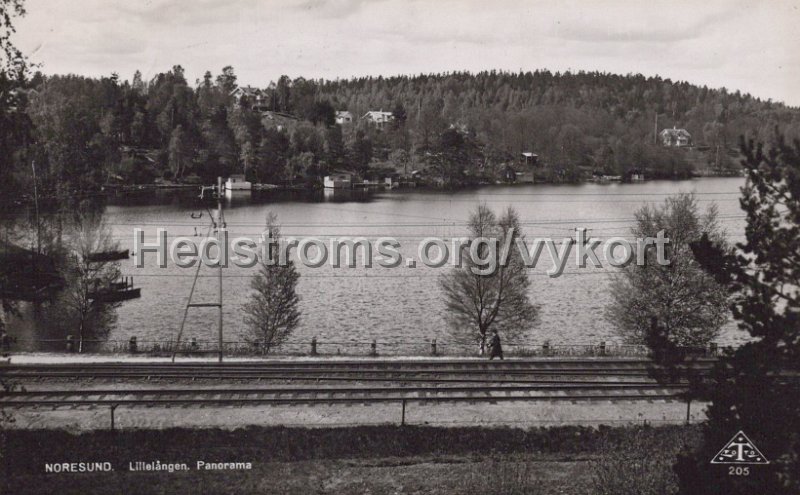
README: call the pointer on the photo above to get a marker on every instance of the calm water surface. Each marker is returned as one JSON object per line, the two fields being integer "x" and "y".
{"x": 398, "y": 305}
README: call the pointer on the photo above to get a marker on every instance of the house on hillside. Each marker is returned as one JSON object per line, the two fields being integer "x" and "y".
{"x": 379, "y": 119}
{"x": 251, "y": 97}
{"x": 344, "y": 117}
{"x": 675, "y": 137}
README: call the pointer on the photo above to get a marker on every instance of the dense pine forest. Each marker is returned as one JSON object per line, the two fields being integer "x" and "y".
{"x": 450, "y": 129}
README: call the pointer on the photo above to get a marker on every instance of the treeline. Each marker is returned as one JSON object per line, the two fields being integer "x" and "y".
{"x": 454, "y": 128}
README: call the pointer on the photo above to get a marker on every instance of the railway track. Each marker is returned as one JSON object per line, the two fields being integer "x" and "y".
{"x": 322, "y": 395}
{"x": 365, "y": 381}
{"x": 356, "y": 369}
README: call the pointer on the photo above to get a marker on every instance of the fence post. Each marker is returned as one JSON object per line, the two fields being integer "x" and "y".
{"x": 70, "y": 343}
{"x": 433, "y": 347}
{"x": 688, "y": 410}
{"x": 602, "y": 348}
{"x": 194, "y": 343}
{"x": 132, "y": 347}
{"x": 373, "y": 348}
{"x": 546, "y": 348}
{"x": 403, "y": 417}
{"x": 113, "y": 406}
{"x": 313, "y": 346}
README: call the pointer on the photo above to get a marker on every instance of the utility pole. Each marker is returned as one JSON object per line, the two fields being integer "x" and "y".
{"x": 36, "y": 207}
{"x": 220, "y": 226}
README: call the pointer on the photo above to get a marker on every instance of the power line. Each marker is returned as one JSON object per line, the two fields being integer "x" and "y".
{"x": 302, "y": 276}
{"x": 575, "y": 221}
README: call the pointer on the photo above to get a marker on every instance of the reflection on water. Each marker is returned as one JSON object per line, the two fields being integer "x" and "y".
{"x": 400, "y": 305}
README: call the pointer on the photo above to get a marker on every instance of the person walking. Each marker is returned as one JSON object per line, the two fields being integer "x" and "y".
{"x": 495, "y": 348}
{"x": 5, "y": 343}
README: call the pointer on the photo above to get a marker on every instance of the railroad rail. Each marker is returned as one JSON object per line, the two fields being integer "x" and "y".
{"x": 305, "y": 395}
{"x": 347, "y": 381}
{"x": 335, "y": 368}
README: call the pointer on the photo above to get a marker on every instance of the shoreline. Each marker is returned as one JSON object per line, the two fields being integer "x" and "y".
{"x": 110, "y": 191}
{"x": 64, "y": 358}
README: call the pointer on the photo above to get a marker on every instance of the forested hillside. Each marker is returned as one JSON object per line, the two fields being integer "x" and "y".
{"x": 455, "y": 128}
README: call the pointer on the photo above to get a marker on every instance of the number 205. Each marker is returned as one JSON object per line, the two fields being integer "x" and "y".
{"x": 738, "y": 471}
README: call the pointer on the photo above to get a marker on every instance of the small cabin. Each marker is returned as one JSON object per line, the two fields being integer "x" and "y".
{"x": 237, "y": 183}
{"x": 338, "y": 181}
{"x": 529, "y": 158}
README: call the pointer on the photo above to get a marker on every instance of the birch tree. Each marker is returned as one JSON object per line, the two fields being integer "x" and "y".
{"x": 479, "y": 302}
{"x": 77, "y": 309}
{"x": 688, "y": 304}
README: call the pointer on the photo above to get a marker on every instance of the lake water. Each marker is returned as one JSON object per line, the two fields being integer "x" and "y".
{"x": 401, "y": 305}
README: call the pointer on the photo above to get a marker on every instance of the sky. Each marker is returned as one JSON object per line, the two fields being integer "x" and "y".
{"x": 747, "y": 45}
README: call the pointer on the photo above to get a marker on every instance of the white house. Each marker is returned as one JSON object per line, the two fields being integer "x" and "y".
{"x": 344, "y": 117}
{"x": 237, "y": 183}
{"x": 338, "y": 181}
{"x": 378, "y": 118}
{"x": 253, "y": 97}
{"x": 675, "y": 137}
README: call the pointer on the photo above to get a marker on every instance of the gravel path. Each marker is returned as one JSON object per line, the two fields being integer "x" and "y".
{"x": 517, "y": 414}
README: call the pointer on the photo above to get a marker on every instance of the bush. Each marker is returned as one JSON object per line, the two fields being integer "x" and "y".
{"x": 502, "y": 477}
{"x": 642, "y": 464}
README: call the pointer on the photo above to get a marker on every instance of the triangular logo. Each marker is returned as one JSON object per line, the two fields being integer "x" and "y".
{"x": 739, "y": 450}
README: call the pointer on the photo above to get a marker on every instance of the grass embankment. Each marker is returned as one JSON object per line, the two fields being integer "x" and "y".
{"x": 381, "y": 459}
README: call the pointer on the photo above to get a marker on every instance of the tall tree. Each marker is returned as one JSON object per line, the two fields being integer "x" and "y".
{"x": 77, "y": 308}
{"x": 283, "y": 94}
{"x": 453, "y": 154}
{"x": 322, "y": 112}
{"x": 179, "y": 152}
{"x": 689, "y": 305}
{"x": 334, "y": 146}
{"x": 361, "y": 152}
{"x": 13, "y": 66}
{"x": 754, "y": 389}
{"x": 227, "y": 80}
{"x": 399, "y": 116}
{"x": 479, "y": 299}
{"x": 272, "y": 152}
{"x": 273, "y": 312}
{"x": 12, "y": 71}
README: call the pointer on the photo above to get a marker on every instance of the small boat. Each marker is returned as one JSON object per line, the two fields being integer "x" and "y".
{"x": 117, "y": 291}
{"x": 109, "y": 256}
{"x": 116, "y": 295}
